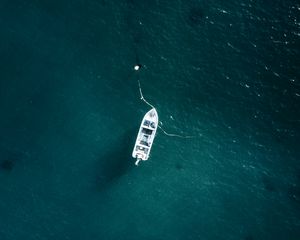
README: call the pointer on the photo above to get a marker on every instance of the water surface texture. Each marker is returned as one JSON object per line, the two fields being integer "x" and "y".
{"x": 226, "y": 72}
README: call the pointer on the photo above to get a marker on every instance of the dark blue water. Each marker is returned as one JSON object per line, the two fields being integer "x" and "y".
{"x": 226, "y": 72}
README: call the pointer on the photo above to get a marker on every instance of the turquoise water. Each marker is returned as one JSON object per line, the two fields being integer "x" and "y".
{"x": 224, "y": 72}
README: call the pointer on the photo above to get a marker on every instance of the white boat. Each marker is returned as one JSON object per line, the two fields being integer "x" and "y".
{"x": 145, "y": 136}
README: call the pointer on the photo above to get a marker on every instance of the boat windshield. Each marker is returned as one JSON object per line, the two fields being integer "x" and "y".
{"x": 147, "y": 131}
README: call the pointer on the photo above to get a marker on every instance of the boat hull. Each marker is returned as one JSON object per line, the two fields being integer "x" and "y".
{"x": 145, "y": 137}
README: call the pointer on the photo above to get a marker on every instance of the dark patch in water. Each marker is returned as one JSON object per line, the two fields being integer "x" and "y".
{"x": 103, "y": 2}
{"x": 178, "y": 166}
{"x": 196, "y": 16}
{"x": 249, "y": 237}
{"x": 9, "y": 158}
{"x": 7, "y": 165}
{"x": 268, "y": 184}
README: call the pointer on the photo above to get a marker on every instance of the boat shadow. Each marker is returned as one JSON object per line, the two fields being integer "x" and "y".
{"x": 116, "y": 162}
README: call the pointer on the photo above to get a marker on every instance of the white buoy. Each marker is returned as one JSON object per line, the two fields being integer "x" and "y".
{"x": 136, "y": 67}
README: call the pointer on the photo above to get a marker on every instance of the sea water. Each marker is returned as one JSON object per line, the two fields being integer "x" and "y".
{"x": 225, "y": 72}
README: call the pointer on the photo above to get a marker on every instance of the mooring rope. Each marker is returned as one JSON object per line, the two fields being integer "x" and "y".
{"x": 149, "y": 104}
{"x": 142, "y": 97}
{"x": 174, "y": 135}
